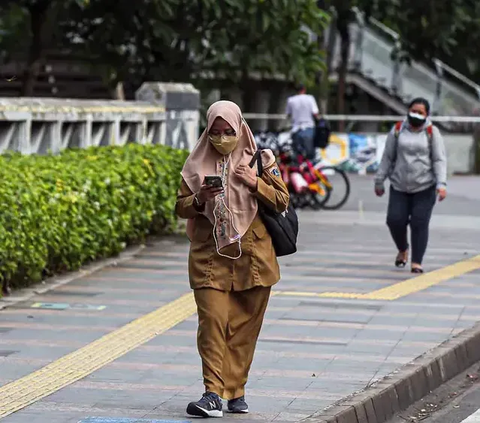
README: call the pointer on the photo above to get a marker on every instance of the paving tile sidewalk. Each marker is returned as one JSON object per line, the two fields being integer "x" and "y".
{"x": 312, "y": 351}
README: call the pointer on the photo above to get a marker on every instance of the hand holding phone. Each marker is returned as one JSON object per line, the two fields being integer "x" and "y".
{"x": 212, "y": 186}
{"x": 213, "y": 181}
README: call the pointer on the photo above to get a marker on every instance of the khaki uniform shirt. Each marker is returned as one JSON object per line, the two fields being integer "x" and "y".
{"x": 258, "y": 265}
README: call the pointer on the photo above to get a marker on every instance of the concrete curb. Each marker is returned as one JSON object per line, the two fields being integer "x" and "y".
{"x": 27, "y": 294}
{"x": 397, "y": 391}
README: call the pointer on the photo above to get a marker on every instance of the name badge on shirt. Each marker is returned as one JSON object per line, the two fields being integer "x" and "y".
{"x": 275, "y": 172}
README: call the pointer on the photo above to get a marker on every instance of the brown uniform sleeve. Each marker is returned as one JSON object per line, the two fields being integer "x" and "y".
{"x": 271, "y": 189}
{"x": 185, "y": 207}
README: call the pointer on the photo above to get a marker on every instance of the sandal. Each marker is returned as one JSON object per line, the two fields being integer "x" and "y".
{"x": 417, "y": 270}
{"x": 401, "y": 262}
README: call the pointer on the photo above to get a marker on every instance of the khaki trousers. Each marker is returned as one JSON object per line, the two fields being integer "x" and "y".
{"x": 229, "y": 323}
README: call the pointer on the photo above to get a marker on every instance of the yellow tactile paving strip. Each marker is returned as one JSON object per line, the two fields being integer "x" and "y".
{"x": 81, "y": 363}
{"x": 404, "y": 288}
{"x": 426, "y": 280}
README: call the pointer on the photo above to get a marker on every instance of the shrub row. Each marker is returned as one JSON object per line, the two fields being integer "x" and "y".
{"x": 61, "y": 211}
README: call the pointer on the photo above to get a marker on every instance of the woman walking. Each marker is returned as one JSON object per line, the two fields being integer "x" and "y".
{"x": 232, "y": 262}
{"x": 415, "y": 162}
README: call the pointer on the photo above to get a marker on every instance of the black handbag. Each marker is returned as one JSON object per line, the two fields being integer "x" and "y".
{"x": 322, "y": 134}
{"x": 282, "y": 227}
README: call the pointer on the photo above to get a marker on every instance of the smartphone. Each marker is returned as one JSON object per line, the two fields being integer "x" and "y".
{"x": 213, "y": 181}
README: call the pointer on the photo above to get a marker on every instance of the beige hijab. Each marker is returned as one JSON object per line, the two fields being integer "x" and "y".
{"x": 204, "y": 159}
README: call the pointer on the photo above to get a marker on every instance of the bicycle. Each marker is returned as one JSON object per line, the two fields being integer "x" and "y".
{"x": 303, "y": 181}
{"x": 310, "y": 184}
{"x": 333, "y": 187}
{"x": 304, "y": 190}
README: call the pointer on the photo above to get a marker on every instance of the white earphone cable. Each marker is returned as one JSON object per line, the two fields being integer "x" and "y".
{"x": 221, "y": 200}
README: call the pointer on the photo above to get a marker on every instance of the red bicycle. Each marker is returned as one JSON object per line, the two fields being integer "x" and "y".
{"x": 304, "y": 182}
{"x": 310, "y": 185}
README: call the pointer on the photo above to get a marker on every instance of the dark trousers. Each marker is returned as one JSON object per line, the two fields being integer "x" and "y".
{"x": 303, "y": 142}
{"x": 416, "y": 210}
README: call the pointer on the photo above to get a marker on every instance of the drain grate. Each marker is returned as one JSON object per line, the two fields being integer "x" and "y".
{"x": 6, "y": 353}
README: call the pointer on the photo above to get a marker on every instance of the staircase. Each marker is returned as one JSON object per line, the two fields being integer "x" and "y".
{"x": 372, "y": 69}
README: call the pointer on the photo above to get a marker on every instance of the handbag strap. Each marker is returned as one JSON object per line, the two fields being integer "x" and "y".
{"x": 257, "y": 158}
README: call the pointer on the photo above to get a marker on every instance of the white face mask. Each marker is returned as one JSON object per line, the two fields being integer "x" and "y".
{"x": 221, "y": 213}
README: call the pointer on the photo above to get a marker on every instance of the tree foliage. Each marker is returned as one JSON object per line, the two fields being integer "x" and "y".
{"x": 427, "y": 29}
{"x": 449, "y": 31}
{"x": 29, "y": 28}
{"x": 180, "y": 40}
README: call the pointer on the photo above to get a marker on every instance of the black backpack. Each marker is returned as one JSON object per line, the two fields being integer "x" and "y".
{"x": 282, "y": 227}
{"x": 322, "y": 134}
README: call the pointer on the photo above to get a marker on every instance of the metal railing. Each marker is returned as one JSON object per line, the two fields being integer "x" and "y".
{"x": 371, "y": 131}
{"x": 367, "y": 118}
{"x": 373, "y": 54}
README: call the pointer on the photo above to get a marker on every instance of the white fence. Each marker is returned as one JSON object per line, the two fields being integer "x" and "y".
{"x": 38, "y": 126}
{"x": 169, "y": 114}
{"x": 163, "y": 114}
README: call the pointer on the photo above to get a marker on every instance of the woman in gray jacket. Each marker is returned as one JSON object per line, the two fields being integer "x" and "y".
{"x": 415, "y": 162}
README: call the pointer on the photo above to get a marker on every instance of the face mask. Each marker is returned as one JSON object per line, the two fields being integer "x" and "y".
{"x": 416, "y": 119}
{"x": 224, "y": 144}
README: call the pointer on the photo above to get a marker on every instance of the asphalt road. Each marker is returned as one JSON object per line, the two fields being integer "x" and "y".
{"x": 463, "y": 198}
{"x": 453, "y": 402}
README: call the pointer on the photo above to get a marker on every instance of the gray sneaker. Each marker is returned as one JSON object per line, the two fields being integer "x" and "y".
{"x": 210, "y": 405}
{"x": 238, "y": 406}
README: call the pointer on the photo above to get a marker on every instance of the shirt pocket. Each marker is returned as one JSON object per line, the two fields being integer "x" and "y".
{"x": 260, "y": 231}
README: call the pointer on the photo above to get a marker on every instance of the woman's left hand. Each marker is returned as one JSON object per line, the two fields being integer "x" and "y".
{"x": 442, "y": 194}
{"x": 248, "y": 176}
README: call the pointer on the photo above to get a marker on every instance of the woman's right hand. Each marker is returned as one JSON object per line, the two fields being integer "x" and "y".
{"x": 208, "y": 192}
{"x": 379, "y": 191}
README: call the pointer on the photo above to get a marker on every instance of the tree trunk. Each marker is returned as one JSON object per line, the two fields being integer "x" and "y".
{"x": 329, "y": 44}
{"x": 476, "y": 149}
{"x": 43, "y": 15}
{"x": 276, "y": 105}
{"x": 6, "y": 290}
{"x": 248, "y": 95}
{"x": 343, "y": 29}
{"x": 322, "y": 79}
{"x": 119, "y": 93}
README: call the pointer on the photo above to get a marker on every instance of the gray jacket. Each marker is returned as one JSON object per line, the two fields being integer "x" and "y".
{"x": 419, "y": 164}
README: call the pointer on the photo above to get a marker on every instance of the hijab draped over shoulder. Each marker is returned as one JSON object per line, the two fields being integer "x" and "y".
{"x": 205, "y": 160}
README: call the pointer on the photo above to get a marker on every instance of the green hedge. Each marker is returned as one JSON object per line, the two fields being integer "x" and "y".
{"x": 61, "y": 211}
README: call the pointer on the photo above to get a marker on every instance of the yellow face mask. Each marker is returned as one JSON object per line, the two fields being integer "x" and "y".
{"x": 224, "y": 144}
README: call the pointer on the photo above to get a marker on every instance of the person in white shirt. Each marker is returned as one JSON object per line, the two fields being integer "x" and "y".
{"x": 302, "y": 110}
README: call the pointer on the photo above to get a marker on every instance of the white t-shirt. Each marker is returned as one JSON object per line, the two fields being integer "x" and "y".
{"x": 301, "y": 108}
